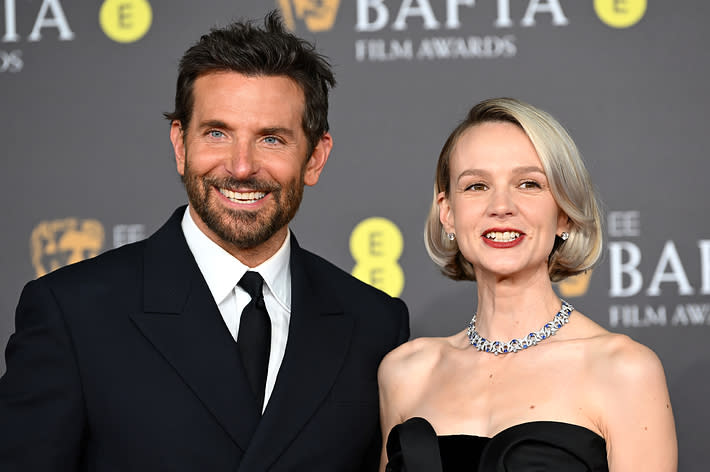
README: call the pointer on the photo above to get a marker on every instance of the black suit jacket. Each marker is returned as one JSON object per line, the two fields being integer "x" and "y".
{"x": 123, "y": 363}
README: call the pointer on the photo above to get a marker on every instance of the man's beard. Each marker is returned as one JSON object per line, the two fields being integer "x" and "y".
{"x": 244, "y": 229}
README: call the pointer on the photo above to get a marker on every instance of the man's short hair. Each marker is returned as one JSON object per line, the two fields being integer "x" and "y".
{"x": 250, "y": 50}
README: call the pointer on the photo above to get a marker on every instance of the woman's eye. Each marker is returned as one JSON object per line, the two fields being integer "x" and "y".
{"x": 530, "y": 184}
{"x": 477, "y": 186}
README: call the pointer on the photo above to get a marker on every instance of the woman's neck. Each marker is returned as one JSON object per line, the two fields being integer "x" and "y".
{"x": 512, "y": 307}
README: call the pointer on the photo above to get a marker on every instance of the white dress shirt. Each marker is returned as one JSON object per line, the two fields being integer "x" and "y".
{"x": 222, "y": 272}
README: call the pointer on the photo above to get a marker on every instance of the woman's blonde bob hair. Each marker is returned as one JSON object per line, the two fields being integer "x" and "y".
{"x": 569, "y": 181}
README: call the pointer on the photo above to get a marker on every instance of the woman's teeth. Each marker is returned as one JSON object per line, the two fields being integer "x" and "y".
{"x": 503, "y": 237}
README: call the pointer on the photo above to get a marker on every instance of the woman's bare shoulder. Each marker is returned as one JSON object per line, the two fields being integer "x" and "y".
{"x": 404, "y": 375}
{"x": 412, "y": 363}
{"x": 417, "y": 354}
{"x": 625, "y": 372}
{"x": 621, "y": 355}
{"x": 628, "y": 385}
{"x": 616, "y": 359}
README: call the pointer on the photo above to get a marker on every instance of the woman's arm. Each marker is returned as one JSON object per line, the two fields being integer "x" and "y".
{"x": 401, "y": 375}
{"x": 638, "y": 419}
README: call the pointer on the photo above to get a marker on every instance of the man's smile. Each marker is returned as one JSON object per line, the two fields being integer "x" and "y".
{"x": 242, "y": 197}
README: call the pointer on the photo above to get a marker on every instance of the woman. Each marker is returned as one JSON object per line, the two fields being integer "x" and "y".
{"x": 514, "y": 210}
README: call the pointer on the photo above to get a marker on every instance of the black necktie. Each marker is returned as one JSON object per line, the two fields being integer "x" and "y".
{"x": 254, "y": 338}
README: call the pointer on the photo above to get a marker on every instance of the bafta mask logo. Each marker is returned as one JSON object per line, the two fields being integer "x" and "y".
{"x": 575, "y": 286}
{"x": 319, "y": 15}
{"x": 57, "y": 243}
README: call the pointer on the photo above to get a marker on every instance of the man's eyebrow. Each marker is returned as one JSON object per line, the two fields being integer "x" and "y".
{"x": 278, "y": 130}
{"x": 213, "y": 124}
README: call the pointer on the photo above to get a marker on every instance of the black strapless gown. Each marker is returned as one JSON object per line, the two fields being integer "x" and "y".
{"x": 528, "y": 447}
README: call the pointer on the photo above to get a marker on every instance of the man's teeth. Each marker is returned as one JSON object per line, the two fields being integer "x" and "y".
{"x": 242, "y": 197}
{"x": 503, "y": 237}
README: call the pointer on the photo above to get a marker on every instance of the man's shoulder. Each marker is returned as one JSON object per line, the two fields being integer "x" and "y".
{"x": 379, "y": 313}
{"x": 118, "y": 262}
{"x": 114, "y": 263}
{"x": 331, "y": 275}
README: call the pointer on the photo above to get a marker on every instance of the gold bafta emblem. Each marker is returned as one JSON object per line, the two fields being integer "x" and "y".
{"x": 57, "y": 243}
{"x": 319, "y": 15}
{"x": 575, "y": 286}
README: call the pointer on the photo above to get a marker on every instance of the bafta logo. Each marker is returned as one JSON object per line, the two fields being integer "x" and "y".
{"x": 319, "y": 15}
{"x": 57, "y": 243}
{"x": 575, "y": 286}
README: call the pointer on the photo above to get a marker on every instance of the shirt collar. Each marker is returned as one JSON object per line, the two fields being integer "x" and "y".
{"x": 222, "y": 271}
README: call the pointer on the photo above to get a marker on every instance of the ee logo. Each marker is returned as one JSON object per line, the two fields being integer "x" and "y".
{"x": 125, "y": 21}
{"x": 376, "y": 245}
{"x": 620, "y": 13}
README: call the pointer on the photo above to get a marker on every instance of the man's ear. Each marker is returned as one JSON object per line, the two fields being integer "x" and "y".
{"x": 317, "y": 160}
{"x": 177, "y": 137}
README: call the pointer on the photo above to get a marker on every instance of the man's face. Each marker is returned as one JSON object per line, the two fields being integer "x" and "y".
{"x": 243, "y": 159}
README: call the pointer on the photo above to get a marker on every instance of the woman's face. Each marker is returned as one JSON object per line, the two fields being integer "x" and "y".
{"x": 500, "y": 206}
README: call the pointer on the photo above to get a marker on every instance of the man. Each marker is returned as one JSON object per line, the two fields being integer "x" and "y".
{"x": 171, "y": 353}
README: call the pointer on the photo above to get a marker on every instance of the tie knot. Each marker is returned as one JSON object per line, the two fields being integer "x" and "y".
{"x": 252, "y": 283}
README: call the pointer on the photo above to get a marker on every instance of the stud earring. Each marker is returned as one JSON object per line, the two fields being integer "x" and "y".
{"x": 451, "y": 236}
{"x": 564, "y": 236}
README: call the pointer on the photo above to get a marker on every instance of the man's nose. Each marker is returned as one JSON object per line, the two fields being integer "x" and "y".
{"x": 242, "y": 162}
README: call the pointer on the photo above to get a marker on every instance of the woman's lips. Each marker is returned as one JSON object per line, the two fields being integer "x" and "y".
{"x": 502, "y": 238}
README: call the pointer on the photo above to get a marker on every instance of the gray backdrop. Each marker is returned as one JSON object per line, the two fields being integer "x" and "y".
{"x": 87, "y": 164}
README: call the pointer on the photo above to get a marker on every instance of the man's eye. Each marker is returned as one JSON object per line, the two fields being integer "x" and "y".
{"x": 271, "y": 140}
{"x": 215, "y": 133}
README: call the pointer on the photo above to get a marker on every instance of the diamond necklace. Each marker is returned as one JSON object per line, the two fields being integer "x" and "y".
{"x": 515, "y": 345}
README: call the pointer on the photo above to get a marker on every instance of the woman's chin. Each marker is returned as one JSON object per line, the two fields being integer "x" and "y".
{"x": 503, "y": 271}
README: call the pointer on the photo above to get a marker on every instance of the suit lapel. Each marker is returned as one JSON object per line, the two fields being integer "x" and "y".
{"x": 183, "y": 322}
{"x": 318, "y": 341}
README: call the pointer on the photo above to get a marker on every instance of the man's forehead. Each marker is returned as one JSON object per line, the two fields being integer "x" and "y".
{"x": 225, "y": 87}
{"x": 215, "y": 75}
{"x": 266, "y": 100}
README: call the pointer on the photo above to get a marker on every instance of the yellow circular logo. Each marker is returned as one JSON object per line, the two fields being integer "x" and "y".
{"x": 376, "y": 245}
{"x": 125, "y": 21}
{"x": 620, "y": 13}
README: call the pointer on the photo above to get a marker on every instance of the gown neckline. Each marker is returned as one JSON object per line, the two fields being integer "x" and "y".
{"x": 525, "y": 425}
{"x": 414, "y": 446}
